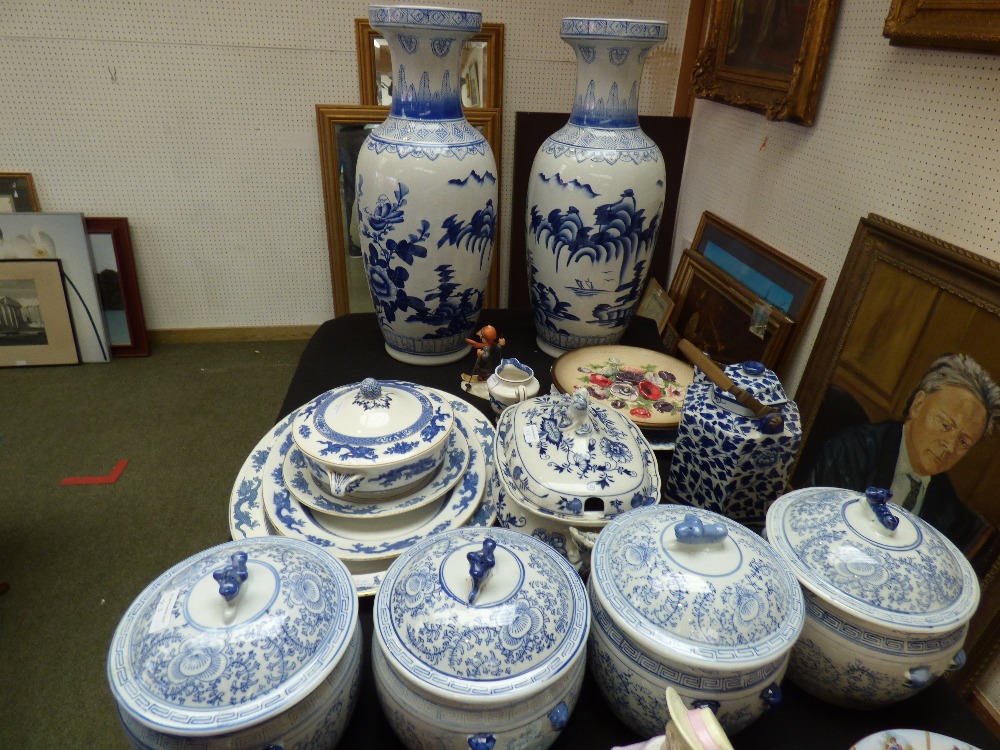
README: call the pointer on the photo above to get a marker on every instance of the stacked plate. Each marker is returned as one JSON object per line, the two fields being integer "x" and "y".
{"x": 280, "y": 491}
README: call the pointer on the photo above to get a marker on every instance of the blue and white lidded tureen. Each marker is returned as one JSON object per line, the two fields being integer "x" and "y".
{"x": 480, "y": 641}
{"x": 727, "y": 460}
{"x": 250, "y": 642}
{"x": 686, "y": 598}
{"x": 566, "y": 462}
{"x": 375, "y": 439}
{"x": 888, "y": 597}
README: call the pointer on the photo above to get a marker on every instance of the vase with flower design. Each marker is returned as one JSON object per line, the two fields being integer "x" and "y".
{"x": 595, "y": 192}
{"x": 426, "y": 191}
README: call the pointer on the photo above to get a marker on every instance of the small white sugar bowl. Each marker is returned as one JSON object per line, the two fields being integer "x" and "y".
{"x": 565, "y": 462}
{"x": 888, "y": 597}
{"x": 373, "y": 440}
{"x": 480, "y": 641}
{"x": 685, "y": 598}
{"x": 250, "y": 643}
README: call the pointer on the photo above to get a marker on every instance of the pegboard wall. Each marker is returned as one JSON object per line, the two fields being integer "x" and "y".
{"x": 911, "y": 134}
{"x": 195, "y": 119}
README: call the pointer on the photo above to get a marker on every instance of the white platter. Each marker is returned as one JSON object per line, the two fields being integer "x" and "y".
{"x": 246, "y": 510}
{"x": 304, "y": 487}
{"x": 910, "y": 739}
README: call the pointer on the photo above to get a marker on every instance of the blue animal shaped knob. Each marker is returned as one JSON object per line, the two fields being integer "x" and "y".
{"x": 877, "y": 499}
{"x": 481, "y": 562}
{"x": 692, "y": 530}
{"x": 232, "y": 576}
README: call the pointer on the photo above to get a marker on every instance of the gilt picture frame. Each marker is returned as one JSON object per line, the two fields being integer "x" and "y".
{"x": 342, "y": 129}
{"x": 35, "y": 323}
{"x": 767, "y": 57}
{"x": 722, "y": 319}
{"x": 17, "y": 192}
{"x": 482, "y": 67}
{"x": 118, "y": 285}
{"x": 941, "y": 299}
{"x": 944, "y": 24}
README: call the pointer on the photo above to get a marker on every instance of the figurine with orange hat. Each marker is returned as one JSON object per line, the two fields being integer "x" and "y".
{"x": 489, "y": 352}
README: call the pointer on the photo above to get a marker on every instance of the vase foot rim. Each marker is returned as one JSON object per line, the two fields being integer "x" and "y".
{"x": 427, "y": 359}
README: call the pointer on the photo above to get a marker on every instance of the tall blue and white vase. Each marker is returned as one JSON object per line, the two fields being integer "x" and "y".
{"x": 596, "y": 192}
{"x": 426, "y": 191}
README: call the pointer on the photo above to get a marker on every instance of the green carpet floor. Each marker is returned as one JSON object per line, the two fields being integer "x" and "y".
{"x": 75, "y": 557}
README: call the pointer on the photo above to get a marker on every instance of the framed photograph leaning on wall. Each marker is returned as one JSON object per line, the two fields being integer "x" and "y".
{"x": 907, "y": 358}
{"x": 767, "y": 56}
{"x": 17, "y": 193}
{"x": 35, "y": 324}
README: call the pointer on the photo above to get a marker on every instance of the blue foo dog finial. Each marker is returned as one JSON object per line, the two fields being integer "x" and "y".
{"x": 481, "y": 563}
{"x": 232, "y": 576}
{"x": 692, "y": 530}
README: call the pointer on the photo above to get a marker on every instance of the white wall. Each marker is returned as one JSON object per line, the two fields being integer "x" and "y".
{"x": 195, "y": 119}
{"x": 911, "y": 134}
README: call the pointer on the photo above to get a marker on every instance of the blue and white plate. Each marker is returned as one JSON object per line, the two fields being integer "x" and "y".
{"x": 246, "y": 508}
{"x": 304, "y": 487}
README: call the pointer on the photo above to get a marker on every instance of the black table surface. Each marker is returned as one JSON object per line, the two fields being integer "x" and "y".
{"x": 348, "y": 349}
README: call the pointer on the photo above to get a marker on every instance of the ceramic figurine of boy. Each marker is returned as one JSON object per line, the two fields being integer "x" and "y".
{"x": 489, "y": 352}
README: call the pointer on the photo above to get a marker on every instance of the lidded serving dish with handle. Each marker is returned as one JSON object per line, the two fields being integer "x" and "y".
{"x": 888, "y": 597}
{"x": 248, "y": 644}
{"x": 480, "y": 641}
{"x": 565, "y": 462}
{"x": 685, "y": 598}
{"x": 375, "y": 439}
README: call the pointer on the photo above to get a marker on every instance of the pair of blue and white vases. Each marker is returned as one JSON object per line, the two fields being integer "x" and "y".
{"x": 427, "y": 192}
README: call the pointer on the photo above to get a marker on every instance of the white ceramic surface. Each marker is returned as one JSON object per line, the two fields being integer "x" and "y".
{"x": 426, "y": 191}
{"x": 575, "y": 458}
{"x": 511, "y": 383}
{"x": 887, "y": 609}
{"x": 308, "y": 491}
{"x": 910, "y": 739}
{"x": 247, "y": 518}
{"x": 186, "y": 661}
{"x": 689, "y": 599}
{"x": 504, "y": 655}
{"x": 595, "y": 193}
{"x": 374, "y": 439}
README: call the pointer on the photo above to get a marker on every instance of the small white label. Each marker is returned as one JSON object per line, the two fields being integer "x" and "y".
{"x": 530, "y": 433}
{"x": 162, "y": 615}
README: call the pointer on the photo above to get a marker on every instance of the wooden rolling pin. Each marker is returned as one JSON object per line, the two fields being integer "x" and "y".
{"x": 719, "y": 377}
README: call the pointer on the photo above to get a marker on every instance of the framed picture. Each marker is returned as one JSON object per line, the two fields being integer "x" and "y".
{"x": 724, "y": 321}
{"x": 767, "y": 56}
{"x": 944, "y": 24}
{"x": 482, "y": 67}
{"x": 17, "y": 193}
{"x": 35, "y": 325}
{"x": 118, "y": 286}
{"x": 63, "y": 236}
{"x": 779, "y": 280}
{"x": 655, "y": 304}
{"x": 903, "y": 300}
{"x": 342, "y": 131}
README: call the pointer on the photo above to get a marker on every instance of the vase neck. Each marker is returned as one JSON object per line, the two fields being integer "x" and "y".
{"x": 610, "y": 55}
{"x": 425, "y": 46}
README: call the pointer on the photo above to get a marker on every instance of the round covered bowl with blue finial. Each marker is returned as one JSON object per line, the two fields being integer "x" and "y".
{"x": 888, "y": 597}
{"x": 253, "y": 643}
{"x": 686, "y": 598}
{"x": 480, "y": 641}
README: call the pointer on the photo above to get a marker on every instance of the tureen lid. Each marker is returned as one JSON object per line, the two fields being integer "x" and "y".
{"x": 372, "y": 421}
{"x": 232, "y": 636}
{"x": 697, "y": 586}
{"x": 481, "y": 615}
{"x": 574, "y": 458}
{"x": 840, "y": 546}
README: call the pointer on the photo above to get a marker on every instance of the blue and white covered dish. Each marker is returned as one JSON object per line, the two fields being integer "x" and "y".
{"x": 888, "y": 597}
{"x": 480, "y": 641}
{"x": 375, "y": 439}
{"x": 686, "y": 598}
{"x": 574, "y": 459}
{"x": 254, "y": 641}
